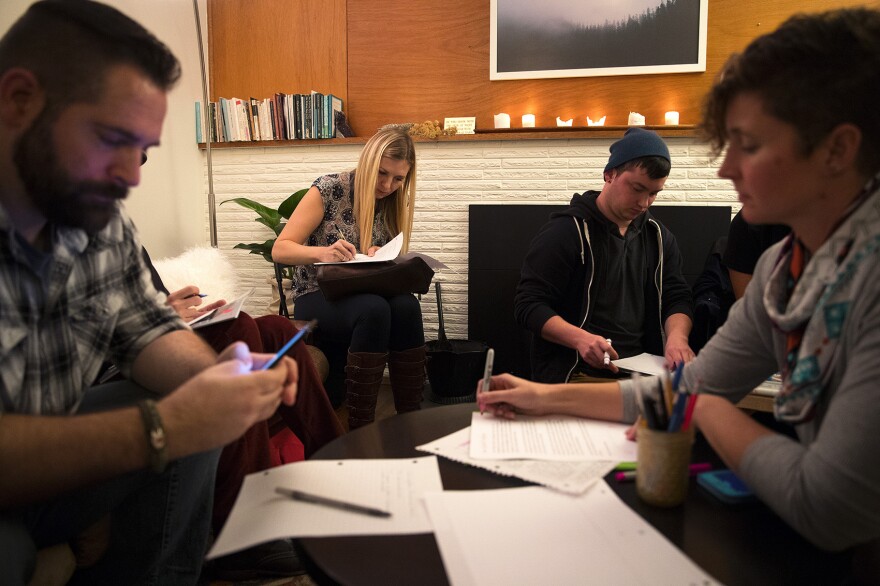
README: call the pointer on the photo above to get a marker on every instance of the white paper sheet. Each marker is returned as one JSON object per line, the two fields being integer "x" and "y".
{"x": 387, "y": 252}
{"x": 568, "y": 477}
{"x": 554, "y": 437}
{"x": 224, "y": 313}
{"x": 536, "y": 536}
{"x": 394, "y": 485}
{"x": 770, "y": 387}
{"x": 644, "y": 363}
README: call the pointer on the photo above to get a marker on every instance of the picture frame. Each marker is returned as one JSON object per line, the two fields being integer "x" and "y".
{"x": 573, "y": 38}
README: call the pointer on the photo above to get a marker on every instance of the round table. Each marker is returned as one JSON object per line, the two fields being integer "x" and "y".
{"x": 741, "y": 544}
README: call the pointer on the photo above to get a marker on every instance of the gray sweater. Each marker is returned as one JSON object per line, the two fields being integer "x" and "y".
{"x": 827, "y": 485}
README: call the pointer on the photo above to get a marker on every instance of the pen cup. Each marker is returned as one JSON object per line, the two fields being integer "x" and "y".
{"x": 662, "y": 470}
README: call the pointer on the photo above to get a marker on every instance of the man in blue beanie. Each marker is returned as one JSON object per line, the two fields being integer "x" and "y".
{"x": 603, "y": 278}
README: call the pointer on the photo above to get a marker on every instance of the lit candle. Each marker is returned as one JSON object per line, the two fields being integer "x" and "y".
{"x": 502, "y": 120}
{"x": 528, "y": 120}
{"x": 599, "y": 122}
{"x": 561, "y": 122}
{"x": 636, "y": 119}
{"x": 671, "y": 118}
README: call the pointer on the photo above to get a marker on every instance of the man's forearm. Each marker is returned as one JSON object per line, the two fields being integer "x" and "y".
{"x": 559, "y": 331}
{"x": 678, "y": 325}
{"x": 45, "y": 456}
{"x": 171, "y": 359}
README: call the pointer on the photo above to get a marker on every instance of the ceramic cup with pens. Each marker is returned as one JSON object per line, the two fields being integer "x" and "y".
{"x": 662, "y": 471}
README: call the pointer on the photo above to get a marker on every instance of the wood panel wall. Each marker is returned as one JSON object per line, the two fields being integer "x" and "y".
{"x": 410, "y": 61}
{"x": 260, "y": 47}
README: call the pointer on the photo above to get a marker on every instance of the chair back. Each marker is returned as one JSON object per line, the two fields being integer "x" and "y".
{"x": 282, "y": 300}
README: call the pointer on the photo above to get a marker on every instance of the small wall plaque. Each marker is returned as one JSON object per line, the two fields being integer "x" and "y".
{"x": 462, "y": 125}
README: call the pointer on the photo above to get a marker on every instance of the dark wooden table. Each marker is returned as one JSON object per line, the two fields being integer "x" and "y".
{"x": 742, "y": 544}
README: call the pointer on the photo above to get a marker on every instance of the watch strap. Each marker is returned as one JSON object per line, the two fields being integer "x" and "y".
{"x": 155, "y": 431}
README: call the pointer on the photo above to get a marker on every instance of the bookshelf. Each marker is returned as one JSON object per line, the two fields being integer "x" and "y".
{"x": 485, "y": 135}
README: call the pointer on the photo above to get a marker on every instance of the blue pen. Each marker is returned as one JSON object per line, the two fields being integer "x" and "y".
{"x": 305, "y": 329}
{"x": 678, "y": 410}
{"x": 677, "y": 378}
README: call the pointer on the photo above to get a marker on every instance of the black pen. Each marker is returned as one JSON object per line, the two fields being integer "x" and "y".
{"x": 305, "y": 497}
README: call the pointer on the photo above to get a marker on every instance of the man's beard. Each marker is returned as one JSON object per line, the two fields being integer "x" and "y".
{"x": 59, "y": 198}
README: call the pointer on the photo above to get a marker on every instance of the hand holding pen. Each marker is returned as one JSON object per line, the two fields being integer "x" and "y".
{"x": 340, "y": 251}
{"x": 187, "y": 302}
{"x": 596, "y": 351}
{"x": 486, "y": 383}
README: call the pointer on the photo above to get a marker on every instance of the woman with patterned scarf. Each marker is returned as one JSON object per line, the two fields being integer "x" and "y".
{"x": 799, "y": 113}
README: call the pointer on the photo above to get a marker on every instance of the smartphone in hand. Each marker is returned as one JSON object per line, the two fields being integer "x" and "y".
{"x": 296, "y": 338}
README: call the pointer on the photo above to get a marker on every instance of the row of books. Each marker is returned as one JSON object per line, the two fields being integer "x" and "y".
{"x": 281, "y": 117}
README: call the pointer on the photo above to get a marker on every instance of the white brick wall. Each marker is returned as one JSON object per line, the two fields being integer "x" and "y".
{"x": 451, "y": 175}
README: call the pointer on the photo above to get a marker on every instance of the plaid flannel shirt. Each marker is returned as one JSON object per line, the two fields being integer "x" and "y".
{"x": 100, "y": 304}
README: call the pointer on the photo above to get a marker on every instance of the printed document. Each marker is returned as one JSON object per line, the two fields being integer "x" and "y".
{"x": 556, "y": 437}
{"x": 569, "y": 477}
{"x": 394, "y": 485}
{"x": 533, "y": 535}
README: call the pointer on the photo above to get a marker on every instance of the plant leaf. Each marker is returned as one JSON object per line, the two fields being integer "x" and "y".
{"x": 267, "y": 216}
{"x": 288, "y": 205}
{"x": 263, "y": 249}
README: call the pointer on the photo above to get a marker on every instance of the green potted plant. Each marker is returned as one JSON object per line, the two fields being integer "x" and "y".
{"x": 274, "y": 219}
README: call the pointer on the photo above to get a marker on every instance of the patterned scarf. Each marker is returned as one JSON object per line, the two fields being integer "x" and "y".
{"x": 808, "y": 299}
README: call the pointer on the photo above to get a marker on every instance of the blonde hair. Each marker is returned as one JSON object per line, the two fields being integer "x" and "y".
{"x": 391, "y": 141}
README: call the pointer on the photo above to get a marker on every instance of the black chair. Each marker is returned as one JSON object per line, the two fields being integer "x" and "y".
{"x": 279, "y": 278}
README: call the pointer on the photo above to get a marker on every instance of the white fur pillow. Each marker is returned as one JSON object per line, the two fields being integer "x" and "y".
{"x": 202, "y": 266}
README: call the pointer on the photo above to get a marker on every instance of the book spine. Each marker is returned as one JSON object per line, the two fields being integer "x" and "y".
{"x": 307, "y": 118}
{"x": 328, "y": 116}
{"x": 289, "y": 117}
{"x": 317, "y": 114}
{"x": 256, "y": 133}
{"x": 298, "y": 115}
{"x": 336, "y": 106}
{"x": 244, "y": 119}
{"x": 224, "y": 120}
{"x": 279, "y": 116}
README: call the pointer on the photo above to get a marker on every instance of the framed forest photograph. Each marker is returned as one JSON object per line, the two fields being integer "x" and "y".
{"x": 583, "y": 38}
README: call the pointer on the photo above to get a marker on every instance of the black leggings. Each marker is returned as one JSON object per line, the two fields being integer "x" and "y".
{"x": 365, "y": 322}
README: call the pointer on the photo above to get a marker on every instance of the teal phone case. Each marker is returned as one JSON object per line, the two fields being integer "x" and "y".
{"x": 725, "y": 486}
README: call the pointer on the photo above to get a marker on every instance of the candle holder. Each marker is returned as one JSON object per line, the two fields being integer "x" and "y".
{"x": 635, "y": 119}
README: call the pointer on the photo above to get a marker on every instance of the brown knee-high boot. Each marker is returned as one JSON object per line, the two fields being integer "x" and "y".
{"x": 363, "y": 377}
{"x": 407, "y": 372}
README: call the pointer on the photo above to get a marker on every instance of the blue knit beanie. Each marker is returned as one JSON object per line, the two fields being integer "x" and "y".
{"x": 636, "y": 143}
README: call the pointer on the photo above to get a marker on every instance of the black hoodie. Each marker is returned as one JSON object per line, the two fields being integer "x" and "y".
{"x": 559, "y": 277}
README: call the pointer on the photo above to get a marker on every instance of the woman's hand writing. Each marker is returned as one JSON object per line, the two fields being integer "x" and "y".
{"x": 510, "y": 395}
{"x": 186, "y": 303}
{"x": 341, "y": 250}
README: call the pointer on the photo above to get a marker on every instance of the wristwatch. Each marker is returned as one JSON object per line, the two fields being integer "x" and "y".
{"x": 155, "y": 435}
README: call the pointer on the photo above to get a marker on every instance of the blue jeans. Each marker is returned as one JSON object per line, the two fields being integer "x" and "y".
{"x": 160, "y": 523}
